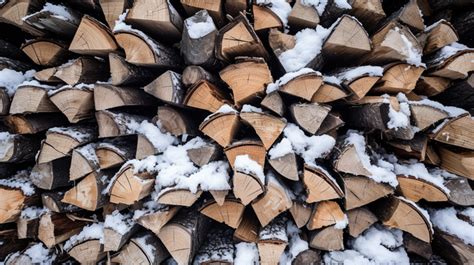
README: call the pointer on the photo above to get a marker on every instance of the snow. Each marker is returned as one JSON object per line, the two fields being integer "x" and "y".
{"x": 296, "y": 244}
{"x": 309, "y": 148}
{"x": 250, "y": 108}
{"x": 39, "y": 254}
{"x": 276, "y": 230}
{"x": 418, "y": 170}
{"x": 153, "y": 133}
{"x": 195, "y": 143}
{"x": 80, "y": 86}
{"x": 341, "y": 224}
{"x": 118, "y": 222}
{"x": 32, "y": 212}
{"x": 58, "y": 11}
{"x": 288, "y": 77}
{"x": 342, "y": 4}
{"x": 332, "y": 79}
{"x": 420, "y": 210}
{"x": 217, "y": 247}
{"x": 226, "y": 108}
{"x": 36, "y": 84}
{"x": 319, "y": 5}
{"x": 308, "y": 45}
{"x": 212, "y": 176}
{"x": 244, "y": 163}
{"x": 149, "y": 207}
{"x": 280, "y": 149}
{"x": 432, "y": 26}
{"x": 88, "y": 152}
{"x": 469, "y": 212}
{"x": 199, "y": 29}
{"x": 10, "y": 79}
{"x": 149, "y": 249}
{"x": 452, "y": 111}
{"x": 6, "y": 139}
{"x": 447, "y": 51}
{"x": 398, "y": 119}
{"x": 380, "y": 172}
{"x": 281, "y": 8}
{"x": 447, "y": 221}
{"x": 349, "y": 74}
{"x": 246, "y": 254}
{"x": 413, "y": 56}
{"x": 80, "y": 133}
{"x": 92, "y": 231}
{"x": 21, "y": 181}
{"x": 347, "y": 257}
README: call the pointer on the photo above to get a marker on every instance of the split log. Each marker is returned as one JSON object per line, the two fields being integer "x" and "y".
{"x": 193, "y": 74}
{"x": 167, "y": 87}
{"x": 13, "y": 198}
{"x": 214, "y": 8}
{"x": 89, "y": 193}
{"x": 333, "y": 11}
{"x": 83, "y": 161}
{"x": 347, "y": 41}
{"x": 178, "y": 197}
{"x": 325, "y": 213}
{"x": 218, "y": 248}
{"x": 360, "y": 191}
{"x": 86, "y": 249}
{"x": 247, "y": 78}
{"x": 126, "y": 74}
{"x": 221, "y": 127}
{"x": 303, "y": 86}
{"x": 157, "y": 218}
{"x": 267, "y": 126}
{"x": 53, "y": 202}
{"x": 55, "y": 19}
{"x": 204, "y": 154}
{"x": 76, "y": 103}
{"x": 174, "y": 121}
{"x": 247, "y": 187}
{"x": 12, "y": 12}
{"x": 32, "y": 99}
{"x": 453, "y": 249}
{"x": 425, "y": 115}
{"x": 431, "y": 85}
{"x": 274, "y": 103}
{"x": 93, "y": 38}
{"x": 83, "y": 70}
{"x": 129, "y": 186}
{"x": 272, "y": 241}
{"x": 27, "y": 224}
{"x": 328, "y": 239}
{"x": 144, "y": 248}
{"x": 309, "y": 116}
{"x": 253, "y": 148}
{"x": 320, "y": 185}
{"x": 302, "y": 16}
{"x": 115, "y": 152}
{"x": 60, "y": 141}
{"x": 47, "y": 76}
{"x": 238, "y": 38}
{"x": 370, "y": 13}
{"x": 457, "y": 162}
{"x": 46, "y": 52}
{"x": 390, "y": 44}
{"x": 30, "y": 255}
{"x": 391, "y": 81}
{"x": 416, "y": 189}
{"x": 229, "y": 213}
{"x": 460, "y": 192}
{"x": 117, "y": 233}
{"x": 248, "y": 228}
{"x": 301, "y": 212}
{"x": 112, "y": 9}
{"x": 109, "y": 96}
{"x": 112, "y": 124}
{"x": 415, "y": 148}
{"x": 57, "y": 228}
{"x": 359, "y": 220}
{"x": 457, "y": 132}
{"x": 275, "y": 201}
{"x": 198, "y": 49}
{"x": 358, "y": 85}
{"x": 165, "y": 23}
{"x": 286, "y": 165}
{"x": 18, "y": 148}
{"x": 406, "y": 216}
{"x": 329, "y": 92}
{"x": 52, "y": 174}
{"x": 265, "y": 18}
{"x": 331, "y": 123}
{"x": 144, "y": 51}
{"x": 437, "y": 35}
{"x": 455, "y": 66}
{"x": 206, "y": 96}
{"x": 184, "y": 234}
{"x": 410, "y": 15}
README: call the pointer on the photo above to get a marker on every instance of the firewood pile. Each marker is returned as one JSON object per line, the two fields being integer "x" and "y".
{"x": 236, "y": 132}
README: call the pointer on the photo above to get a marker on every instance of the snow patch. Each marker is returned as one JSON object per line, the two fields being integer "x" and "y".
{"x": 11, "y": 79}
{"x": 250, "y": 108}
{"x": 92, "y": 231}
{"x": 319, "y": 5}
{"x": 118, "y": 222}
{"x": 200, "y": 29}
{"x": 245, "y": 164}
{"x": 246, "y": 253}
{"x": 21, "y": 181}
{"x": 446, "y": 220}
{"x": 281, "y": 8}
{"x": 282, "y": 148}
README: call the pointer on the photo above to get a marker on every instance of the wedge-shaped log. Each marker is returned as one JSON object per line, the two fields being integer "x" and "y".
{"x": 416, "y": 189}
{"x": 143, "y": 248}
{"x": 265, "y": 18}
{"x": 114, "y": 234}
{"x": 370, "y": 13}
{"x": 129, "y": 186}
{"x": 32, "y": 99}
{"x": 167, "y": 87}
{"x": 360, "y": 191}
{"x": 221, "y": 127}
{"x": 272, "y": 241}
{"x": 12, "y": 12}
{"x": 325, "y": 213}
{"x": 174, "y": 121}
{"x": 457, "y": 132}
{"x": 158, "y": 218}
{"x": 76, "y": 103}
{"x": 267, "y": 126}
{"x": 320, "y": 185}
{"x": 52, "y": 174}
{"x": 391, "y": 81}
{"x": 303, "y": 86}
{"x": 109, "y": 96}
{"x": 247, "y": 187}
{"x": 206, "y": 96}
{"x": 457, "y": 162}
{"x": 302, "y": 16}
{"x": 452, "y": 249}
{"x": 86, "y": 249}
{"x": 88, "y": 193}
{"x": 425, "y": 115}
{"x": 301, "y": 212}
{"x": 83, "y": 70}
{"x": 286, "y": 165}
{"x": 410, "y": 15}
{"x": 328, "y": 239}
{"x": 359, "y": 220}
{"x": 329, "y": 92}
{"x": 198, "y": 49}
{"x": 93, "y": 38}
{"x": 45, "y": 52}
{"x": 274, "y": 103}
{"x": 229, "y": 213}
{"x": 17, "y": 148}
{"x": 437, "y": 35}
{"x": 112, "y": 124}
{"x": 202, "y": 155}
{"x": 456, "y": 66}
{"x": 214, "y": 8}
{"x": 309, "y": 116}
{"x": 178, "y": 197}
{"x": 431, "y": 85}
{"x": 253, "y": 148}
{"x": 115, "y": 152}
{"x": 248, "y": 228}
{"x": 124, "y": 73}
{"x": 56, "y": 228}
{"x": 112, "y": 9}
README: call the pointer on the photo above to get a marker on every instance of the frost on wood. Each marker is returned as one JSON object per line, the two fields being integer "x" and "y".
{"x": 118, "y": 222}
{"x": 89, "y": 232}
{"x": 20, "y": 180}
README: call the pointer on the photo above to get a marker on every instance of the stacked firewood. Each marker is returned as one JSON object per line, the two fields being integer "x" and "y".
{"x": 246, "y": 132}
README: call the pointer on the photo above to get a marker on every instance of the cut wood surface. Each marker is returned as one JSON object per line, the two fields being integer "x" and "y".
{"x": 236, "y": 132}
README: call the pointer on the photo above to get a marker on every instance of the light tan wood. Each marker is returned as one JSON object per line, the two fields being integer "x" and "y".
{"x": 319, "y": 185}
{"x": 328, "y": 239}
{"x": 214, "y": 8}
{"x": 112, "y": 9}
{"x": 417, "y": 189}
{"x": 410, "y": 14}
{"x": 87, "y": 194}
{"x": 309, "y": 116}
{"x": 33, "y": 123}
{"x": 264, "y": 18}
{"x": 348, "y": 161}
{"x": 425, "y": 115}
{"x": 246, "y": 187}
{"x": 108, "y": 97}
{"x": 144, "y": 148}
{"x": 370, "y": 12}
{"x": 87, "y": 252}
{"x": 175, "y": 122}
{"x": 431, "y": 85}
{"x": 325, "y": 213}
{"x": 85, "y": 70}
{"x": 303, "y": 86}
{"x": 114, "y": 153}
{"x": 280, "y": 42}
{"x": 248, "y": 228}
{"x": 45, "y": 52}
{"x": 267, "y": 127}
{"x": 275, "y": 201}
{"x": 457, "y": 162}
{"x": 302, "y": 16}
{"x": 270, "y": 251}
{"x": 247, "y": 79}
{"x": 178, "y": 197}
{"x": 442, "y": 34}
{"x": 93, "y": 38}
{"x": 167, "y": 87}
{"x": 129, "y": 187}
{"x": 75, "y": 104}
{"x": 31, "y": 99}
{"x": 453, "y": 249}
{"x": 204, "y": 154}
{"x": 457, "y": 66}
{"x": 12, "y": 12}
{"x": 47, "y": 75}
{"x": 127, "y": 74}
{"x": 83, "y": 162}
{"x": 274, "y": 103}
{"x": 359, "y": 220}
{"x": 361, "y": 86}
{"x": 219, "y": 196}
{"x": 360, "y": 191}
{"x": 112, "y": 124}
{"x": 286, "y": 166}
{"x": 221, "y": 127}
{"x": 154, "y": 221}
{"x": 398, "y": 78}
{"x": 206, "y": 96}
{"x": 254, "y": 149}
{"x": 143, "y": 248}
{"x": 229, "y": 213}
{"x": 12, "y": 203}
{"x": 54, "y": 229}
{"x": 301, "y": 212}
{"x": 328, "y": 92}
{"x": 458, "y": 132}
